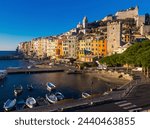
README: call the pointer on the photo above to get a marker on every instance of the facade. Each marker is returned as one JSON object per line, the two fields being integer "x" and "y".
{"x": 70, "y": 47}
{"x": 59, "y": 48}
{"x": 90, "y": 48}
{"x": 145, "y": 29}
{"x": 99, "y": 47}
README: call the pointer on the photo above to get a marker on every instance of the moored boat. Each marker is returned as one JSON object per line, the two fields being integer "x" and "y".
{"x": 18, "y": 90}
{"x": 50, "y": 86}
{"x": 30, "y": 102}
{"x": 59, "y": 95}
{"x": 51, "y": 98}
{"x": 3, "y": 74}
{"x": 9, "y": 104}
{"x": 85, "y": 95}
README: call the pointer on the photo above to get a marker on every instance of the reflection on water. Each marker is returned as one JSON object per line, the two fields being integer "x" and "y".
{"x": 70, "y": 85}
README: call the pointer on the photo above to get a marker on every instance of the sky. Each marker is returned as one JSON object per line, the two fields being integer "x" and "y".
{"x": 22, "y": 20}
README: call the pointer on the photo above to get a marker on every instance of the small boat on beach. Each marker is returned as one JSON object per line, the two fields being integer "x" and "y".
{"x": 30, "y": 102}
{"x": 3, "y": 74}
{"x": 59, "y": 95}
{"x": 29, "y": 87}
{"x": 50, "y": 86}
{"x": 51, "y": 98}
{"x": 85, "y": 95}
{"x": 18, "y": 90}
{"x": 9, "y": 104}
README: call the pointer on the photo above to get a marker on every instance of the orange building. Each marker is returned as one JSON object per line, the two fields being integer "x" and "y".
{"x": 59, "y": 48}
{"x": 95, "y": 48}
{"x": 99, "y": 47}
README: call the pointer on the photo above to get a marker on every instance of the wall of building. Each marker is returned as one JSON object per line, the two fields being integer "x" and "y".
{"x": 145, "y": 29}
{"x": 140, "y": 20}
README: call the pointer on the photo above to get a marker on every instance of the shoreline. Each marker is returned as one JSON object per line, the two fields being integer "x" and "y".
{"x": 110, "y": 79}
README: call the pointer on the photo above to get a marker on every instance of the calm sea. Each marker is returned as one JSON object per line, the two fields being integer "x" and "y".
{"x": 11, "y": 63}
{"x": 7, "y": 53}
{"x": 71, "y": 86}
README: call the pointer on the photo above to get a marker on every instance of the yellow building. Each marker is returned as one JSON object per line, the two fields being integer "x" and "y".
{"x": 88, "y": 49}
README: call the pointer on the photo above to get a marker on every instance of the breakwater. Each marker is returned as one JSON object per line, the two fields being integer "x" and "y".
{"x": 33, "y": 70}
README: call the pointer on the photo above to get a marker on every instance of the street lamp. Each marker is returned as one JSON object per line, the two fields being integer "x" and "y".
{"x": 91, "y": 103}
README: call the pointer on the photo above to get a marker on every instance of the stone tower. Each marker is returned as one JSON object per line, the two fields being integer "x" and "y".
{"x": 113, "y": 36}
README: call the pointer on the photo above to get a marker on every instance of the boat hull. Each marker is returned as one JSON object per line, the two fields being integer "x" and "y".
{"x": 50, "y": 86}
{"x": 85, "y": 95}
{"x": 53, "y": 101}
{"x": 9, "y": 105}
{"x": 59, "y": 96}
{"x": 30, "y": 102}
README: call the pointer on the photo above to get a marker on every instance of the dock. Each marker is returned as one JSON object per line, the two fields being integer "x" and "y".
{"x": 69, "y": 104}
{"x": 33, "y": 70}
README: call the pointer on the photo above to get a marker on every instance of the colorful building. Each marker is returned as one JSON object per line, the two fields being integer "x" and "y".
{"x": 90, "y": 48}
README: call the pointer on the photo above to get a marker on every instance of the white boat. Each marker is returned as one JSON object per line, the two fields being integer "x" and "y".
{"x": 3, "y": 74}
{"x": 59, "y": 96}
{"x": 9, "y": 104}
{"x": 30, "y": 102}
{"x": 51, "y": 98}
{"x": 18, "y": 90}
{"x": 50, "y": 86}
{"x": 85, "y": 95}
{"x": 29, "y": 67}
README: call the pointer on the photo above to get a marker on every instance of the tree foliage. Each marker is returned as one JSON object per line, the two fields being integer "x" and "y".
{"x": 136, "y": 55}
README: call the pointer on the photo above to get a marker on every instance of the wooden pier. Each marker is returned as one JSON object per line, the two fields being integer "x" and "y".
{"x": 33, "y": 70}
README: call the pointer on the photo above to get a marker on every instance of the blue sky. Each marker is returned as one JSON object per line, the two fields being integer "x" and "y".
{"x": 22, "y": 20}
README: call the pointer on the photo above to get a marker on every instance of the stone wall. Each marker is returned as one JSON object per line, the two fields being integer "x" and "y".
{"x": 129, "y": 13}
